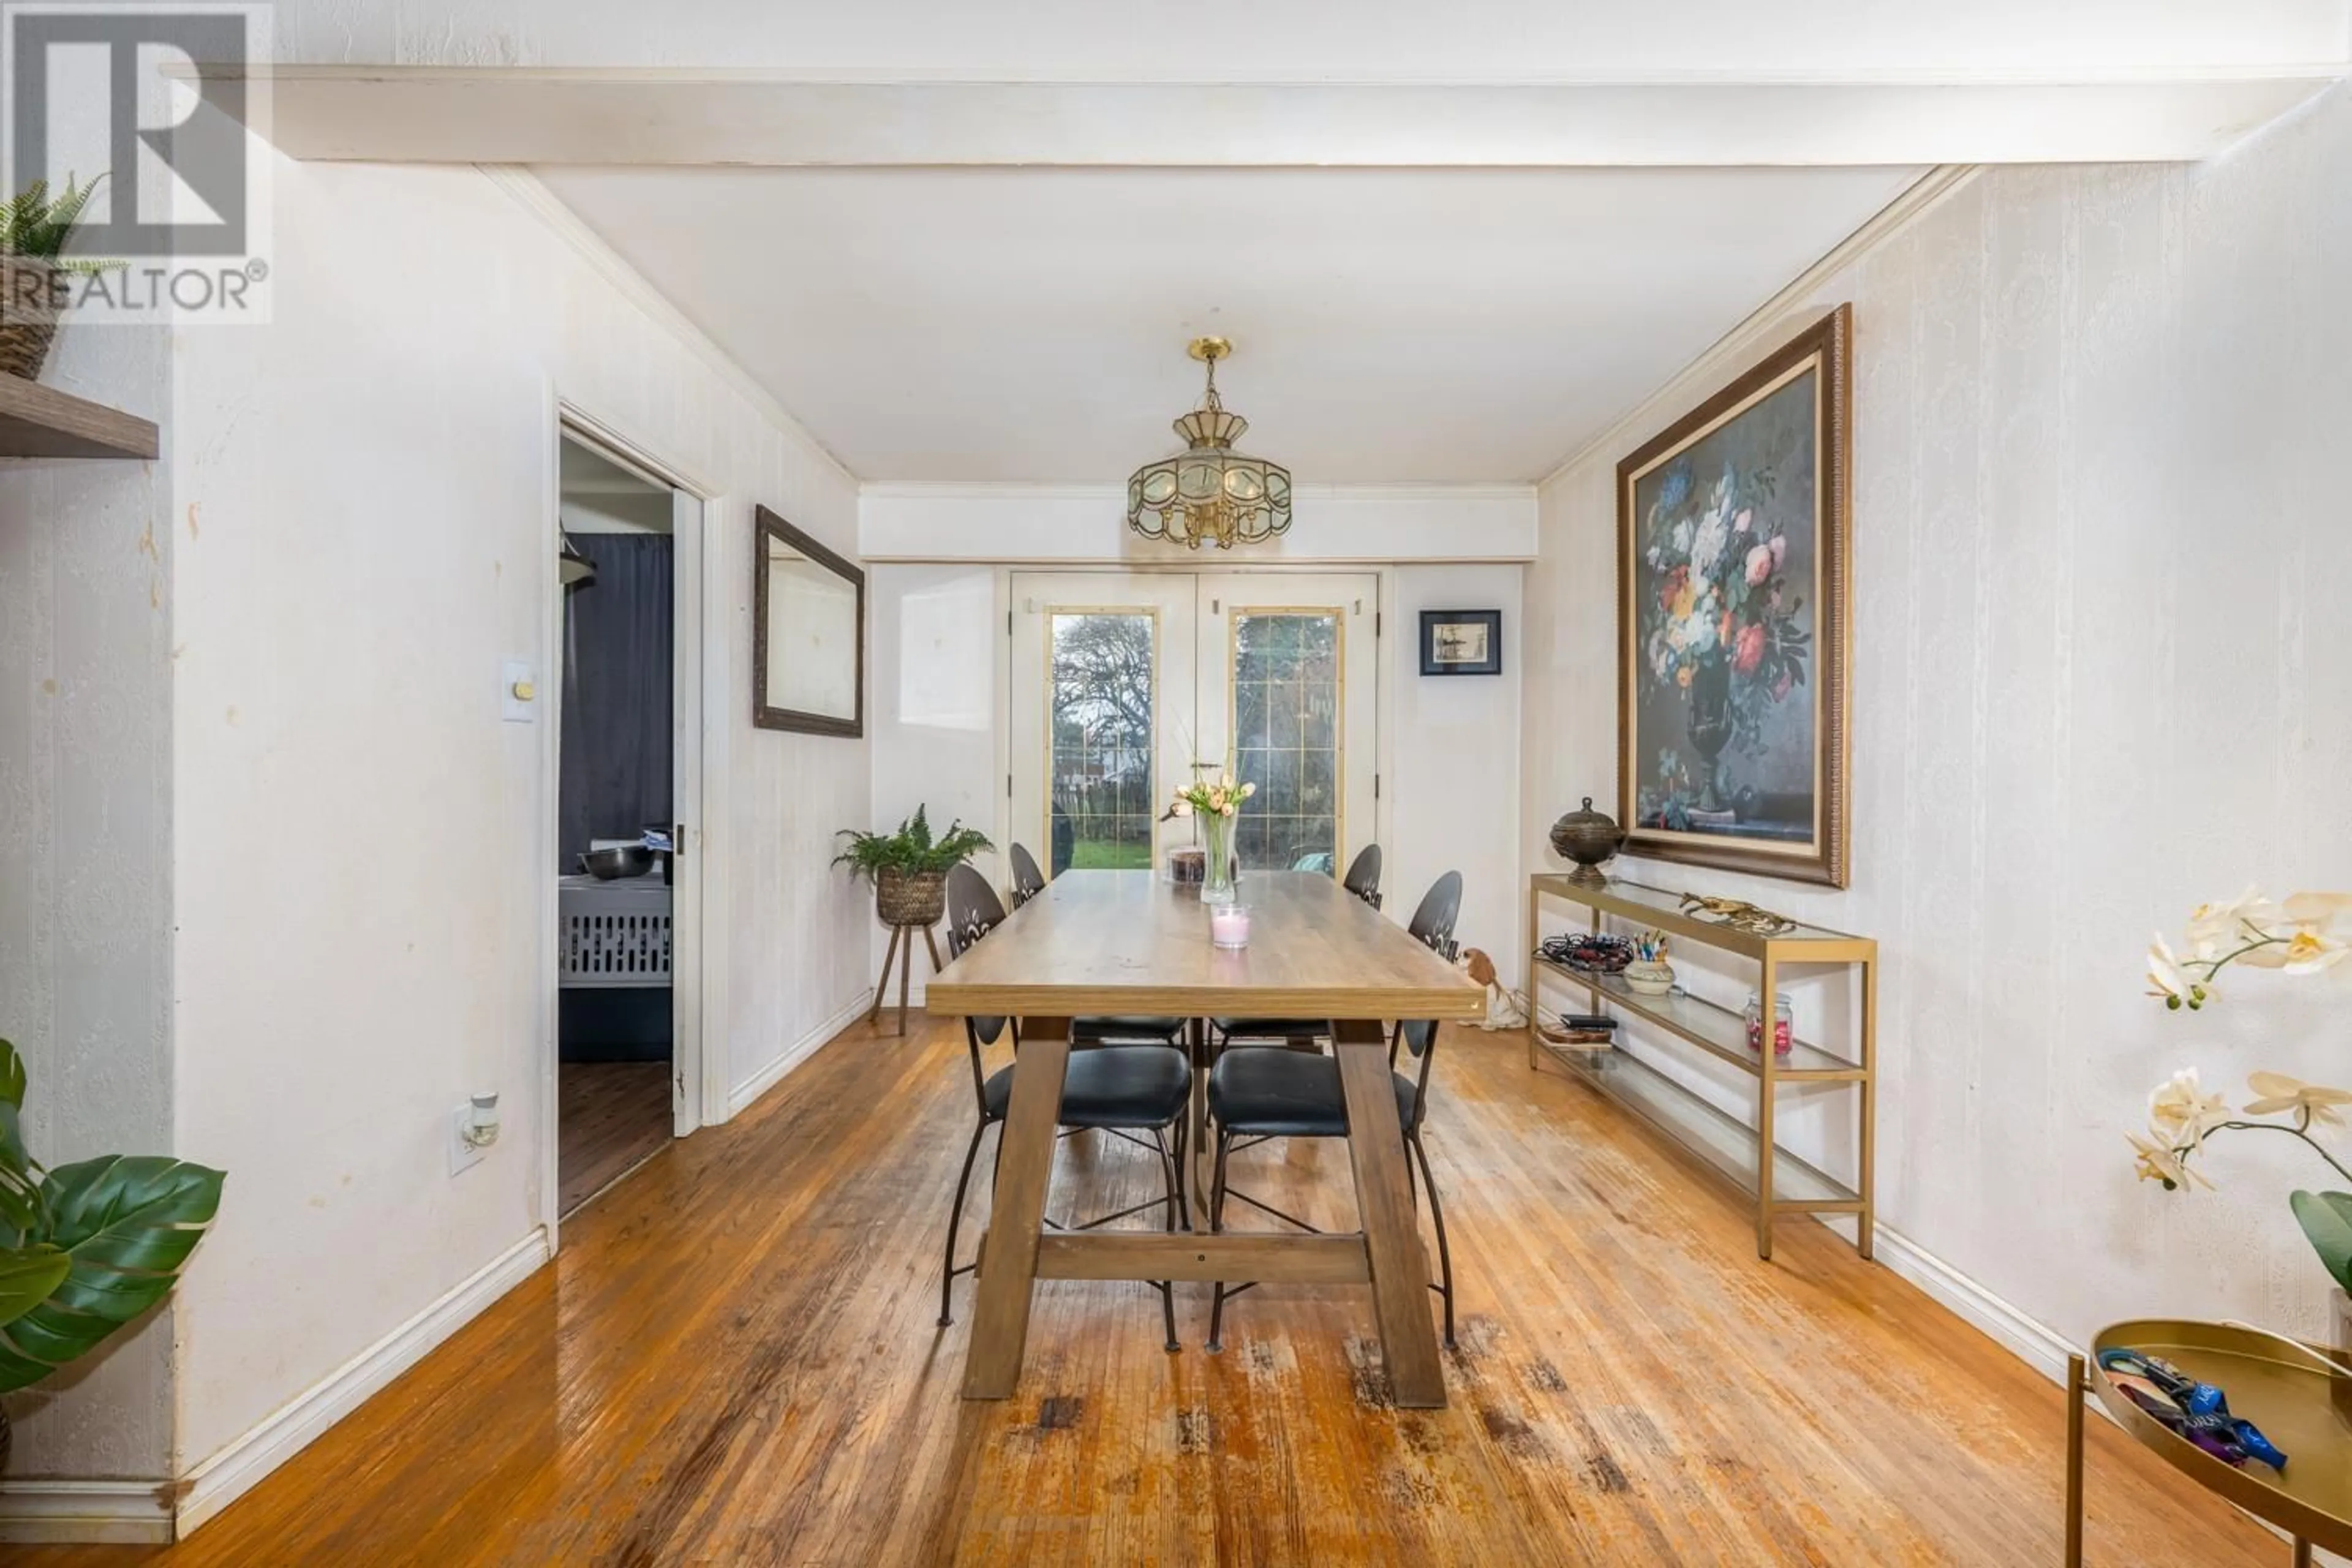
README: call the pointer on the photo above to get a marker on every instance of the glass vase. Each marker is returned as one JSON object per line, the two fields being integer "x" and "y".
{"x": 1217, "y": 835}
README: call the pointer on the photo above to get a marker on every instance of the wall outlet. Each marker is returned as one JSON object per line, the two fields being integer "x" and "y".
{"x": 463, "y": 1153}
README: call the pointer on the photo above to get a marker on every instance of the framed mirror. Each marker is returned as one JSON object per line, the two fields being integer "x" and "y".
{"x": 808, "y": 634}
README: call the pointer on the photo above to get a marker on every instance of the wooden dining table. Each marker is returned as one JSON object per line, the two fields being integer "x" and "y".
{"x": 1131, "y": 943}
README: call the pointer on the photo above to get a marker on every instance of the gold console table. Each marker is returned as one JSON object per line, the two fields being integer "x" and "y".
{"x": 1779, "y": 1182}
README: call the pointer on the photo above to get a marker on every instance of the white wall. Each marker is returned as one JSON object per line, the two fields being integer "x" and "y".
{"x": 938, "y": 640}
{"x": 2101, "y": 673}
{"x": 357, "y": 855}
{"x": 1449, "y": 750}
{"x": 1452, "y": 775}
{"x": 85, "y": 864}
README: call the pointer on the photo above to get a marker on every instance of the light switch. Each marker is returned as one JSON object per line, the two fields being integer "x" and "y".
{"x": 518, "y": 693}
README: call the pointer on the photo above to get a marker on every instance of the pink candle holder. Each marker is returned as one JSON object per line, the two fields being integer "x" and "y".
{"x": 1229, "y": 925}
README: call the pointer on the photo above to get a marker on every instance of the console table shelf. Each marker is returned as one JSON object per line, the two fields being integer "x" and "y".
{"x": 1779, "y": 1182}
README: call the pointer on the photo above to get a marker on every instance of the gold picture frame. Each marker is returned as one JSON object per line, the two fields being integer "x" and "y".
{"x": 1733, "y": 597}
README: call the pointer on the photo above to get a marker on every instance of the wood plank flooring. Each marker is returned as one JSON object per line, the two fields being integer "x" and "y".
{"x": 609, "y": 1116}
{"x": 734, "y": 1361}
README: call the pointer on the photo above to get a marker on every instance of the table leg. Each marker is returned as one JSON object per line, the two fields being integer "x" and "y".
{"x": 882, "y": 985}
{"x": 2302, "y": 1552}
{"x": 1000, "y": 1318}
{"x": 1196, "y": 1132}
{"x": 1384, "y": 1204}
{"x": 2074, "y": 1381}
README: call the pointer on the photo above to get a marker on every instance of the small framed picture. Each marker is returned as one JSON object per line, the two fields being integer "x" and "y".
{"x": 1462, "y": 642}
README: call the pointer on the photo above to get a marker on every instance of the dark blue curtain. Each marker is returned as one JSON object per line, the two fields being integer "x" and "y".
{"x": 617, "y": 650}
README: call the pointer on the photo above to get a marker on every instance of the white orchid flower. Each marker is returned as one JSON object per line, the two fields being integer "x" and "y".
{"x": 2181, "y": 1113}
{"x": 2166, "y": 979}
{"x": 2159, "y": 1163}
{"x": 2280, "y": 1092}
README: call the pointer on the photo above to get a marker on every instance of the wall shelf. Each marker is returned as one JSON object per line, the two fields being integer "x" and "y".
{"x": 38, "y": 421}
{"x": 1779, "y": 1182}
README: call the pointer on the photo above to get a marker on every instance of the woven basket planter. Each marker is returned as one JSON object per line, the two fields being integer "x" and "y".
{"x": 910, "y": 898}
{"x": 27, "y": 318}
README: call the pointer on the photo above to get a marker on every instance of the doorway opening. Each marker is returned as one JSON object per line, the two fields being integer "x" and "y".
{"x": 618, "y": 796}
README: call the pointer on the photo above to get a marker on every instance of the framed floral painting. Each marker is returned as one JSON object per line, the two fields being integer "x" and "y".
{"x": 1733, "y": 624}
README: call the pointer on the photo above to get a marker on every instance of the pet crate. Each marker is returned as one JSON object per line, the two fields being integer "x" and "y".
{"x": 614, "y": 933}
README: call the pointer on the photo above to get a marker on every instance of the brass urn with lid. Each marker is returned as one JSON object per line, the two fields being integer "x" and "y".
{"x": 1588, "y": 837}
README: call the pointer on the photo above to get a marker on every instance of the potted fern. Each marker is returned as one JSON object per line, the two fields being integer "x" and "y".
{"x": 34, "y": 228}
{"x": 910, "y": 868}
{"x": 85, "y": 1249}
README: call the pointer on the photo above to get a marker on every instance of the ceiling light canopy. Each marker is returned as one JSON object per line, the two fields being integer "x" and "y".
{"x": 1210, "y": 493}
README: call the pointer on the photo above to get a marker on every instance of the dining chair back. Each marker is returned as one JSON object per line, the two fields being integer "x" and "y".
{"x": 1363, "y": 877}
{"x": 974, "y": 910}
{"x": 1028, "y": 880}
{"x": 1433, "y": 923}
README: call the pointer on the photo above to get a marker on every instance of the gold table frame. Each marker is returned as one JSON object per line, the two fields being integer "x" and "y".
{"x": 2282, "y": 1385}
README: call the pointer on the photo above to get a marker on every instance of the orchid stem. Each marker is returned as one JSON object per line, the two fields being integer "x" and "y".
{"x": 2215, "y": 965}
{"x": 2295, "y": 1132}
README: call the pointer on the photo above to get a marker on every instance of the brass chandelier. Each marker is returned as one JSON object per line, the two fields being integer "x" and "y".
{"x": 1209, "y": 493}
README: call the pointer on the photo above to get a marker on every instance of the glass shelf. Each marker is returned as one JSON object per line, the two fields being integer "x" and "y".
{"x": 1725, "y": 1143}
{"x": 1662, "y": 907}
{"x": 1718, "y": 1031}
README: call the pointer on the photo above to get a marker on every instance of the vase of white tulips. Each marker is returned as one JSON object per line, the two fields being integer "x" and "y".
{"x": 2305, "y": 935}
{"x": 1216, "y": 805}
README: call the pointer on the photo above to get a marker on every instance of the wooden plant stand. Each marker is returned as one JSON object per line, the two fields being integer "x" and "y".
{"x": 902, "y": 953}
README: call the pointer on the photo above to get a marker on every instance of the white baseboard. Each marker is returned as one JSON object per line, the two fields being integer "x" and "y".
{"x": 740, "y": 1098}
{"x": 216, "y": 1482}
{"x": 112, "y": 1513}
{"x": 2032, "y": 1341}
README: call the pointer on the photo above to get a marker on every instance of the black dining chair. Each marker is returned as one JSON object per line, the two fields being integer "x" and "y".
{"x": 1363, "y": 879}
{"x": 1257, "y": 1093}
{"x": 1028, "y": 880}
{"x": 1125, "y": 1090}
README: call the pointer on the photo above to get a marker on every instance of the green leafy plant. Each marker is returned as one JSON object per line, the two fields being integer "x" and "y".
{"x": 911, "y": 849}
{"x": 86, "y": 1247}
{"x": 36, "y": 225}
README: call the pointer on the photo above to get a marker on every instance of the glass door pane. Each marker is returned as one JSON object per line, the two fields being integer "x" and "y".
{"x": 1101, "y": 715}
{"x": 1100, "y": 778}
{"x": 1286, "y": 674}
{"x": 1285, "y": 703}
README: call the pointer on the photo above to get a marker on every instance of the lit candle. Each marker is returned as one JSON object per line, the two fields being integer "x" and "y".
{"x": 1229, "y": 925}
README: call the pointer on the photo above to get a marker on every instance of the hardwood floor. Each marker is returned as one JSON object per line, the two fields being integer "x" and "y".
{"x": 734, "y": 1361}
{"x": 609, "y": 1116}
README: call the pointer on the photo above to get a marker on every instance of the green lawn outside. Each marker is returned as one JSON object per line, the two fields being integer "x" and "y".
{"x": 1110, "y": 855}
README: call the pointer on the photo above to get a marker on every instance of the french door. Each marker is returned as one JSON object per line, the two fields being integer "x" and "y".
{"x": 1126, "y": 685}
